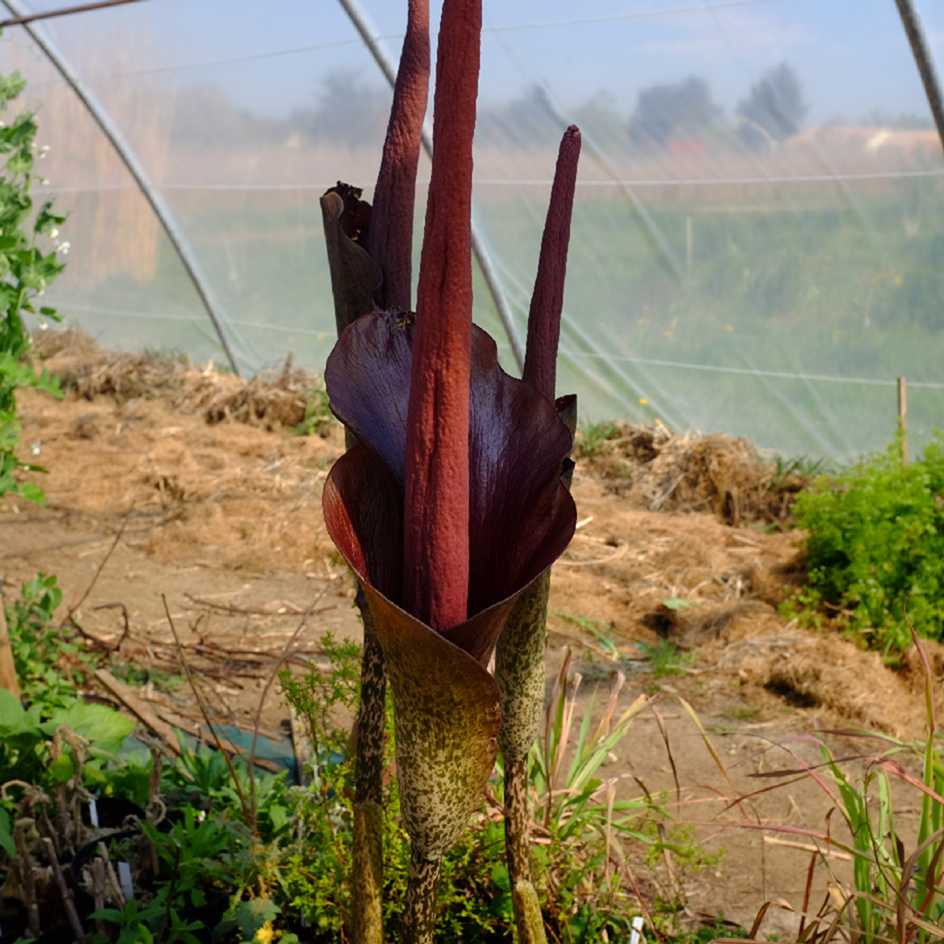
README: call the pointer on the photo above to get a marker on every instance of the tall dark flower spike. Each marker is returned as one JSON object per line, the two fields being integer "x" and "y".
{"x": 390, "y": 235}
{"x": 451, "y": 503}
{"x": 370, "y": 257}
{"x": 519, "y": 662}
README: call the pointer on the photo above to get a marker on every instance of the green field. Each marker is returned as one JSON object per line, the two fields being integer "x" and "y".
{"x": 785, "y": 321}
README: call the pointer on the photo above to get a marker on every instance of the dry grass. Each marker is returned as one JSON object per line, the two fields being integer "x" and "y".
{"x": 663, "y": 471}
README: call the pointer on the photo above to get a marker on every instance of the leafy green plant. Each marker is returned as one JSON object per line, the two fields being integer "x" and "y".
{"x": 592, "y": 438}
{"x": 601, "y": 632}
{"x": 875, "y": 548}
{"x": 582, "y": 864}
{"x": 318, "y": 418}
{"x": 27, "y": 267}
{"x": 50, "y": 663}
{"x": 665, "y": 657}
{"x": 41, "y": 750}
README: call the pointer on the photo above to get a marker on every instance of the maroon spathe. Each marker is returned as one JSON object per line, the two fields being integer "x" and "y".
{"x": 522, "y": 517}
{"x": 547, "y": 300}
{"x": 436, "y": 519}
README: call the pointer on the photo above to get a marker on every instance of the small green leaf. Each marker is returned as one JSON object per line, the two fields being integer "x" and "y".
{"x": 12, "y": 715}
{"x": 6, "y": 834}
{"x": 62, "y": 768}
{"x": 101, "y": 726}
{"x": 677, "y": 603}
{"x": 32, "y": 492}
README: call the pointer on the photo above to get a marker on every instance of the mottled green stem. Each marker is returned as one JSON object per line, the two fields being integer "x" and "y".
{"x": 419, "y": 916}
{"x": 367, "y": 871}
{"x": 519, "y": 671}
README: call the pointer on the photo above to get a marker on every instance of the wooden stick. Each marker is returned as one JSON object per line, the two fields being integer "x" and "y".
{"x": 903, "y": 417}
{"x": 165, "y": 731}
{"x": 139, "y": 709}
{"x": 807, "y": 847}
{"x": 8, "y": 678}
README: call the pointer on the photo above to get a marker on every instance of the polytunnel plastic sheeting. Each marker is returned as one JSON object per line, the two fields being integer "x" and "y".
{"x": 758, "y": 233}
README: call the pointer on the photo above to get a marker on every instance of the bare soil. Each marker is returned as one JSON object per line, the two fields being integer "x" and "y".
{"x": 172, "y": 482}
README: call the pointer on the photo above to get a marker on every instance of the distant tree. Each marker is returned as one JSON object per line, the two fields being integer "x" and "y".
{"x": 600, "y": 116}
{"x": 348, "y": 111}
{"x": 904, "y": 121}
{"x": 666, "y": 111}
{"x": 775, "y": 104}
{"x": 205, "y": 116}
{"x": 528, "y": 120}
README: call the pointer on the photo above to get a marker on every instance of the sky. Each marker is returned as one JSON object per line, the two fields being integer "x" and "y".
{"x": 851, "y": 55}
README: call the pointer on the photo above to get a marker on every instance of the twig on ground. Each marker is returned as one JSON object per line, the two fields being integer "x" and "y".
{"x": 98, "y": 572}
{"x": 140, "y": 711}
{"x": 285, "y": 608}
{"x": 237, "y": 786}
{"x": 265, "y": 692}
{"x": 126, "y": 621}
{"x": 65, "y": 892}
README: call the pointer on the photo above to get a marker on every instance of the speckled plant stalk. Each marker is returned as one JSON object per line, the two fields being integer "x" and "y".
{"x": 355, "y": 277}
{"x": 519, "y": 663}
{"x": 362, "y": 280}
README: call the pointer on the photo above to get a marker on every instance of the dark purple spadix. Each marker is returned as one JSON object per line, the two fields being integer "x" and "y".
{"x": 547, "y": 300}
{"x": 390, "y": 235}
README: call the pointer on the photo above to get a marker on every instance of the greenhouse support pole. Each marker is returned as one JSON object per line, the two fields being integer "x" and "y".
{"x": 359, "y": 20}
{"x": 127, "y": 156}
{"x": 911, "y": 20}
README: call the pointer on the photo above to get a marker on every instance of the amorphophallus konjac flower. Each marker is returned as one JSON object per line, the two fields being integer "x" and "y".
{"x": 449, "y": 503}
{"x": 370, "y": 258}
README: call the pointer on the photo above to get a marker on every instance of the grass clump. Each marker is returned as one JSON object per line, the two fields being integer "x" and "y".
{"x": 875, "y": 549}
{"x": 592, "y": 438}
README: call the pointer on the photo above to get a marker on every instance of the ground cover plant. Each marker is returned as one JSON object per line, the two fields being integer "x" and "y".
{"x": 875, "y": 548}
{"x": 206, "y": 860}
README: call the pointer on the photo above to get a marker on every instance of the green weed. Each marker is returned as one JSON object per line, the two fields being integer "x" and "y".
{"x": 592, "y": 438}
{"x": 318, "y": 418}
{"x": 50, "y": 663}
{"x": 875, "y": 549}
{"x": 665, "y": 658}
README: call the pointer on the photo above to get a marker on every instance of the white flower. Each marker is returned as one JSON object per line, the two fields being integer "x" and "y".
{"x": 43, "y": 151}
{"x": 36, "y": 448}
{"x": 54, "y": 234}
{"x": 44, "y": 326}
{"x": 64, "y": 248}
{"x": 44, "y": 181}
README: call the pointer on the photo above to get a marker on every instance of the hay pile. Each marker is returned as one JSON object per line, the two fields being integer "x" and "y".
{"x": 823, "y": 671}
{"x": 661, "y": 471}
{"x": 270, "y": 400}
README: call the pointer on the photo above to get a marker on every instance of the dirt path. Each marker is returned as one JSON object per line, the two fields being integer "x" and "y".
{"x": 176, "y": 483}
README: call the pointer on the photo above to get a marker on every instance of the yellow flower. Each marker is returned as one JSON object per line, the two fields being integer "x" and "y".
{"x": 643, "y": 401}
{"x": 265, "y": 934}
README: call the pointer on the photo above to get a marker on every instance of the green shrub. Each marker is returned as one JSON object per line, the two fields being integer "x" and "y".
{"x": 28, "y": 263}
{"x": 875, "y": 548}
